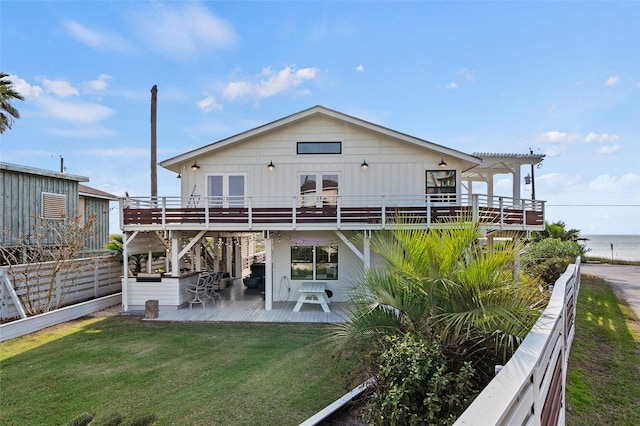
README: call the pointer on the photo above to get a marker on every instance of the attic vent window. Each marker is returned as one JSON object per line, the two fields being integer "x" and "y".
{"x": 54, "y": 206}
{"x": 319, "y": 148}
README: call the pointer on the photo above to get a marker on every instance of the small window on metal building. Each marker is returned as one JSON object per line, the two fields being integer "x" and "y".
{"x": 54, "y": 206}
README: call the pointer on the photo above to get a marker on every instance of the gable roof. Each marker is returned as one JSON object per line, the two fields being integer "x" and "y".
{"x": 41, "y": 172}
{"x": 174, "y": 162}
{"x": 87, "y": 191}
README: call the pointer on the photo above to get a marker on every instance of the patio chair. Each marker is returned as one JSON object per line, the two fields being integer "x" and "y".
{"x": 199, "y": 291}
{"x": 212, "y": 285}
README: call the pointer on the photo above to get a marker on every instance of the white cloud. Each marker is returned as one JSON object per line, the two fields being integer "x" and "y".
{"x": 612, "y": 81}
{"x": 606, "y": 183}
{"x": 183, "y": 31}
{"x": 98, "y": 85}
{"x": 360, "y": 68}
{"x": 76, "y": 112}
{"x": 607, "y": 150}
{"x": 468, "y": 74}
{"x": 24, "y": 88}
{"x": 274, "y": 83}
{"x": 96, "y": 39}
{"x": 452, "y": 85}
{"x": 601, "y": 138}
{"x": 556, "y": 137}
{"x": 558, "y": 142}
{"x": 60, "y": 88}
{"x": 209, "y": 104}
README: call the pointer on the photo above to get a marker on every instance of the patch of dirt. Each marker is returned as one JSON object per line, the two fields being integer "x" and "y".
{"x": 108, "y": 312}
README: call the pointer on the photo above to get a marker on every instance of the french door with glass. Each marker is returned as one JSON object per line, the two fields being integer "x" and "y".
{"x": 318, "y": 189}
{"x": 226, "y": 190}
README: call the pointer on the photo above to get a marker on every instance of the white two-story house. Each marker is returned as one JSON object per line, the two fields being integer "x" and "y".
{"x": 314, "y": 185}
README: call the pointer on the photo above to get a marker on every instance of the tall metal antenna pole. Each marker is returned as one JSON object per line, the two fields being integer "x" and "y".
{"x": 154, "y": 171}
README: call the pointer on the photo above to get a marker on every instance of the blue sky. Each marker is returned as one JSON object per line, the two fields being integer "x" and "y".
{"x": 562, "y": 78}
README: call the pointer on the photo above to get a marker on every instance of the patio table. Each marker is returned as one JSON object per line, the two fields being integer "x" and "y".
{"x": 314, "y": 293}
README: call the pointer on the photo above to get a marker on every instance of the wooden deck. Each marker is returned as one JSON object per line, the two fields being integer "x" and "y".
{"x": 239, "y": 304}
{"x": 177, "y": 213}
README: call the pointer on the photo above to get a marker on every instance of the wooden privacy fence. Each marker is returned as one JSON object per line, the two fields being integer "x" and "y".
{"x": 530, "y": 389}
{"x": 91, "y": 278}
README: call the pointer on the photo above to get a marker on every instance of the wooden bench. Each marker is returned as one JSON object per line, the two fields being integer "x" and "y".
{"x": 312, "y": 292}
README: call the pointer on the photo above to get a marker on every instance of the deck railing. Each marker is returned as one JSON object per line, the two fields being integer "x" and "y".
{"x": 262, "y": 213}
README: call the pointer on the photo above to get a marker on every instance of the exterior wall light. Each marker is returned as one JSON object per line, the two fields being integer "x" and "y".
{"x": 271, "y": 166}
{"x": 179, "y": 176}
{"x": 442, "y": 163}
{"x": 195, "y": 166}
{"x": 364, "y": 165}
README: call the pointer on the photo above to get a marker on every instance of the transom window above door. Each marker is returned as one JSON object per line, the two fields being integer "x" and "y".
{"x": 318, "y": 189}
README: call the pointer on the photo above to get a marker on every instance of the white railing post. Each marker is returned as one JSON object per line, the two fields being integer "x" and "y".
{"x": 121, "y": 208}
{"x": 250, "y": 212}
{"x": 383, "y": 207}
{"x": 428, "y": 209}
{"x": 206, "y": 211}
{"x": 164, "y": 211}
{"x": 338, "y": 206}
{"x": 475, "y": 208}
{"x": 501, "y": 204}
{"x": 293, "y": 213}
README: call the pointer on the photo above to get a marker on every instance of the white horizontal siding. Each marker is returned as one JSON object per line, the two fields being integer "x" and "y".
{"x": 171, "y": 293}
{"x": 396, "y": 167}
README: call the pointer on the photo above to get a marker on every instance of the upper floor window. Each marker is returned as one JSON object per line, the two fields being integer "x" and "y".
{"x": 318, "y": 189}
{"x": 54, "y": 206}
{"x": 441, "y": 182}
{"x": 319, "y": 148}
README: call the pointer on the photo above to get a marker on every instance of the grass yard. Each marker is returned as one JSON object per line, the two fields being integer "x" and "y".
{"x": 185, "y": 374}
{"x": 603, "y": 385}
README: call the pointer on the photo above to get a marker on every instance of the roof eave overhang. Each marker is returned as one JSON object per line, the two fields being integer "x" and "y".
{"x": 174, "y": 163}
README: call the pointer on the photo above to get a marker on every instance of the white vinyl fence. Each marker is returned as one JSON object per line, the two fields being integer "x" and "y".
{"x": 91, "y": 278}
{"x": 530, "y": 389}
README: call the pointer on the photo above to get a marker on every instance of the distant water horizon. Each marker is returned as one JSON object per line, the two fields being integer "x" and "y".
{"x": 617, "y": 247}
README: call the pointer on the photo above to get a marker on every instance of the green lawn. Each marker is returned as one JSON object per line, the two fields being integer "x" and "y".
{"x": 603, "y": 385}
{"x": 186, "y": 374}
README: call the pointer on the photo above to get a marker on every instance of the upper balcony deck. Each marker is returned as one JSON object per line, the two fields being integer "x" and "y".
{"x": 326, "y": 213}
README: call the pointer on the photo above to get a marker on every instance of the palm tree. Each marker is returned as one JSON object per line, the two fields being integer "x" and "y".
{"x": 441, "y": 284}
{"x": 559, "y": 231}
{"x": 7, "y": 94}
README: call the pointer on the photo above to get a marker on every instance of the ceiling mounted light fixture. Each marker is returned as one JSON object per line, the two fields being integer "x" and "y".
{"x": 179, "y": 176}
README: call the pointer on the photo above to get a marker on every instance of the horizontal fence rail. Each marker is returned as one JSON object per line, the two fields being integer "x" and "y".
{"x": 332, "y": 211}
{"x": 89, "y": 278}
{"x": 530, "y": 389}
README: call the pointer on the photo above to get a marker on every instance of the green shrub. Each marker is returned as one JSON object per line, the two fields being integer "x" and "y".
{"x": 547, "y": 259}
{"x": 415, "y": 386}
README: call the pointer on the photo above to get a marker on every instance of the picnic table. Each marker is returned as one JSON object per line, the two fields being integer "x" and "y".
{"x": 314, "y": 293}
